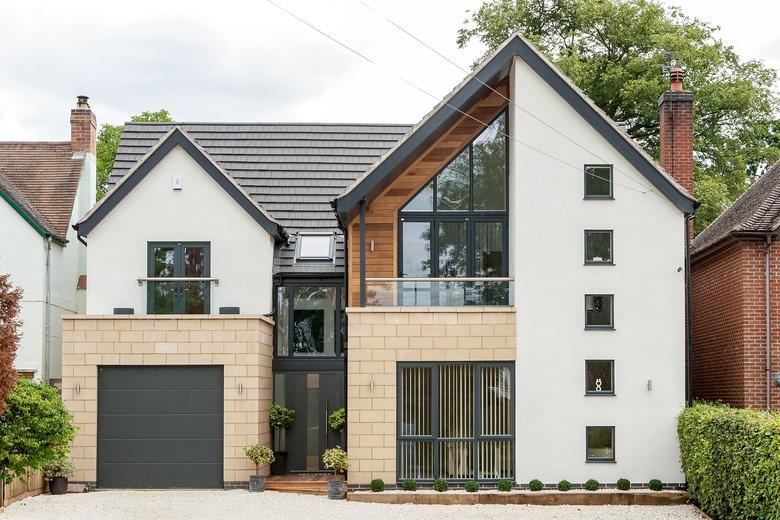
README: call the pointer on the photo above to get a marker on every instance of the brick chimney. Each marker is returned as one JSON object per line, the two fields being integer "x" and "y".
{"x": 676, "y": 107}
{"x": 83, "y": 127}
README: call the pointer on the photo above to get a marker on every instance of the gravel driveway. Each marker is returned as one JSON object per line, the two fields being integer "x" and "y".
{"x": 237, "y": 505}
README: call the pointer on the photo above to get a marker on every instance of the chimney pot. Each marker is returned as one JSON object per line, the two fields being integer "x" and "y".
{"x": 676, "y": 76}
{"x": 82, "y": 101}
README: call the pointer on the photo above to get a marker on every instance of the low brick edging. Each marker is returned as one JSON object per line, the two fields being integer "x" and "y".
{"x": 539, "y": 498}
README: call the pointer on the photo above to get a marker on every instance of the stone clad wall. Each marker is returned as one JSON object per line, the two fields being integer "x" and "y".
{"x": 241, "y": 344}
{"x": 380, "y": 337}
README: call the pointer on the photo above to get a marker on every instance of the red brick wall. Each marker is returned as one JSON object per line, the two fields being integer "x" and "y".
{"x": 83, "y": 130}
{"x": 676, "y": 134}
{"x": 729, "y": 328}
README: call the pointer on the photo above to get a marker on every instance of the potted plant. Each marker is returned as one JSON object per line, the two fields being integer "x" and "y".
{"x": 338, "y": 420}
{"x": 280, "y": 418}
{"x": 337, "y": 460}
{"x": 258, "y": 454}
{"x": 57, "y": 473}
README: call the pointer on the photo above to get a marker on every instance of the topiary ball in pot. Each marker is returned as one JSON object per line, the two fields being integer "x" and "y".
{"x": 623, "y": 484}
{"x": 655, "y": 485}
{"x": 564, "y": 485}
{"x": 409, "y": 485}
{"x": 592, "y": 484}
{"x": 535, "y": 485}
{"x": 57, "y": 473}
{"x": 377, "y": 485}
{"x": 471, "y": 486}
{"x": 505, "y": 485}
{"x": 440, "y": 485}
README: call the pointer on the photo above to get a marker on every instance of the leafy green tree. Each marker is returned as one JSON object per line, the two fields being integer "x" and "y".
{"x": 10, "y": 326}
{"x": 614, "y": 51}
{"x": 34, "y": 429}
{"x": 108, "y": 143}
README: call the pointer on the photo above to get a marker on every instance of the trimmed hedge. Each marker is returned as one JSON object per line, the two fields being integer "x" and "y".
{"x": 731, "y": 458}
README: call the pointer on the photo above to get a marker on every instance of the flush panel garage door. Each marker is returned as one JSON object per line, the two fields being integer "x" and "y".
{"x": 160, "y": 426}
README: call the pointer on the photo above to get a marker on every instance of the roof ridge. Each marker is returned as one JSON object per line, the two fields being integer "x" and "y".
{"x": 268, "y": 123}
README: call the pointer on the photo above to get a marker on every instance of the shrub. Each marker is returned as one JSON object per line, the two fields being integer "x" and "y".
{"x": 471, "y": 486}
{"x": 34, "y": 429}
{"x": 409, "y": 485}
{"x": 10, "y": 305}
{"x": 730, "y": 459}
{"x": 592, "y": 484}
{"x": 623, "y": 484}
{"x": 440, "y": 485}
{"x": 377, "y": 485}
{"x": 58, "y": 468}
{"x": 655, "y": 485}
{"x": 259, "y": 454}
{"x": 564, "y": 485}
{"x": 505, "y": 485}
{"x": 279, "y": 417}
{"x": 535, "y": 485}
{"x": 338, "y": 419}
{"x": 335, "y": 459}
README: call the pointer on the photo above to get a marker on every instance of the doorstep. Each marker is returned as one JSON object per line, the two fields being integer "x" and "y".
{"x": 539, "y": 498}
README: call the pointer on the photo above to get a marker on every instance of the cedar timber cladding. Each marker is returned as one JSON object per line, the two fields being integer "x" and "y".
{"x": 382, "y": 212}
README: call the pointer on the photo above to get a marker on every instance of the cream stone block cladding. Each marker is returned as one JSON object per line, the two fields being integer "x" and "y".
{"x": 379, "y": 338}
{"x": 241, "y": 344}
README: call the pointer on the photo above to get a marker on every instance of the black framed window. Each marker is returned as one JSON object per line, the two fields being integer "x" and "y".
{"x": 310, "y": 320}
{"x": 599, "y": 247}
{"x": 178, "y": 260}
{"x": 599, "y": 377}
{"x": 455, "y": 421}
{"x": 600, "y": 444}
{"x": 598, "y": 181}
{"x": 599, "y": 311}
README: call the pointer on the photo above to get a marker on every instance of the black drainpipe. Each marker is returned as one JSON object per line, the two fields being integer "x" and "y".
{"x": 688, "y": 312}
{"x": 768, "y": 320}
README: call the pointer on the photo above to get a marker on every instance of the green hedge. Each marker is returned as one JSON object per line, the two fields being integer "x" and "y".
{"x": 731, "y": 458}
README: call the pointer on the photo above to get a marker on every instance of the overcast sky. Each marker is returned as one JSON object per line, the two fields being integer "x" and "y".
{"x": 248, "y": 61}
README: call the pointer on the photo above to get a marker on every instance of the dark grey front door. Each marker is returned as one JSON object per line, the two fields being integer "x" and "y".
{"x": 160, "y": 426}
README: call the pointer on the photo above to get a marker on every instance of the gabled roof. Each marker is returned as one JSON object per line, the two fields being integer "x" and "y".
{"x": 755, "y": 211}
{"x": 42, "y": 178}
{"x": 177, "y": 136}
{"x": 293, "y": 170}
{"x": 493, "y": 69}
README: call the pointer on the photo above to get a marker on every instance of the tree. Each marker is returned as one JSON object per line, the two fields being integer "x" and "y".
{"x": 614, "y": 51}
{"x": 108, "y": 143}
{"x": 34, "y": 429}
{"x": 10, "y": 305}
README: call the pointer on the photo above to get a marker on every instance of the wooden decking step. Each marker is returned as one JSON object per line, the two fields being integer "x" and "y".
{"x": 307, "y": 483}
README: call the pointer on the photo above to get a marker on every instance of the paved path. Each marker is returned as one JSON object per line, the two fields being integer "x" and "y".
{"x": 239, "y": 505}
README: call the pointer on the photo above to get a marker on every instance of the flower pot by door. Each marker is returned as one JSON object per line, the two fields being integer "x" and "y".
{"x": 336, "y": 489}
{"x": 58, "y": 485}
{"x": 256, "y": 483}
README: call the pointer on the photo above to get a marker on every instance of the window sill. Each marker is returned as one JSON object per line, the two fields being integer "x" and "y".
{"x": 596, "y": 461}
{"x": 598, "y": 263}
{"x": 600, "y": 328}
{"x": 598, "y": 197}
{"x": 600, "y": 394}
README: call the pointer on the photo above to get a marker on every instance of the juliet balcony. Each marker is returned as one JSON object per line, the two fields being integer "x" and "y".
{"x": 438, "y": 292}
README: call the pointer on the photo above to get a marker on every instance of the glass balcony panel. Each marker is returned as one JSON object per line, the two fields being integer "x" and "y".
{"x": 439, "y": 292}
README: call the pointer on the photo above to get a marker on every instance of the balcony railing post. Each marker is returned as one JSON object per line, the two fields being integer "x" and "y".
{"x": 363, "y": 252}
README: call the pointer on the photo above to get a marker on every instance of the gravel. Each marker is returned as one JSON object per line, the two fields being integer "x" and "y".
{"x": 238, "y": 505}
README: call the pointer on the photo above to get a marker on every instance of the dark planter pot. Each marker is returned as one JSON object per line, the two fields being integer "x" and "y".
{"x": 336, "y": 489}
{"x": 279, "y": 465}
{"x": 256, "y": 483}
{"x": 58, "y": 485}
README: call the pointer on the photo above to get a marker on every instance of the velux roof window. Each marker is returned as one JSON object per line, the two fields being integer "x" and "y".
{"x": 317, "y": 247}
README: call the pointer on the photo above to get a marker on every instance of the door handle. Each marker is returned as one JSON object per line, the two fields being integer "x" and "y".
{"x": 327, "y": 427}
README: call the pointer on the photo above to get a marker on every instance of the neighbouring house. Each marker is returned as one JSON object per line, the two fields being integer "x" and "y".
{"x": 495, "y": 293}
{"x": 46, "y": 187}
{"x": 735, "y": 271}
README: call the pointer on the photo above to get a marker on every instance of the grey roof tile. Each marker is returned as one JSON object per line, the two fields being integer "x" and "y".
{"x": 293, "y": 170}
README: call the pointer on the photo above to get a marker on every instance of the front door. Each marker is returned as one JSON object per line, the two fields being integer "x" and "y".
{"x": 313, "y": 396}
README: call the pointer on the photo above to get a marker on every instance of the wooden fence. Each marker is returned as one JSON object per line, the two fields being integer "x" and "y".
{"x": 19, "y": 489}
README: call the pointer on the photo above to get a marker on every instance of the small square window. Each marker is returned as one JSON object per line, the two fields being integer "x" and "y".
{"x": 599, "y": 377}
{"x": 314, "y": 247}
{"x": 600, "y": 444}
{"x": 598, "y": 246}
{"x": 598, "y": 181}
{"x": 598, "y": 311}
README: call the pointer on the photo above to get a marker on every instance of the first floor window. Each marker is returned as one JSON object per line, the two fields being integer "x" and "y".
{"x": 600, "y": 443}
{"x": 598, "y": 246}
{"x": 455, "y": 421}
{"x": 310, "y": 321}
{"x": 599, "y": 311}
{"x": 178, "y": 260}
{"x": 599, "y": 377}
{"x": 598, "y": 181}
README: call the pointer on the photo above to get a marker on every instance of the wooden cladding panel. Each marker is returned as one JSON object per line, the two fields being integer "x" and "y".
{"x": 381, "y": 212}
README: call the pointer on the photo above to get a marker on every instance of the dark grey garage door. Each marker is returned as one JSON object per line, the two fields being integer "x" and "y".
{"x": 159, "y": 426}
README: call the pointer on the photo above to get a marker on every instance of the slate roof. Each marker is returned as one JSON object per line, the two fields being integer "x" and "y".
{"x": 756, "y": 211}
{"x": 43, "y": 178}
{"x": 293, "y": 170}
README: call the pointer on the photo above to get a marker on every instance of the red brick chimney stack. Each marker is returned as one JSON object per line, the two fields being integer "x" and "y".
{"x": 83, "y": 127}
{"x": 676, "y": 107}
